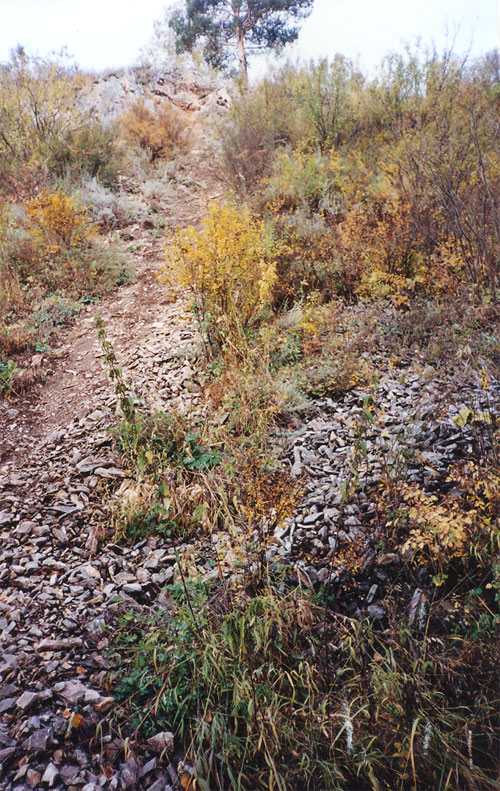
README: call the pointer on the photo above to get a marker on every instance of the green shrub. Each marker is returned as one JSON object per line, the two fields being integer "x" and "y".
{"x": 303, "y": 181}
{"x": 89, "y": 152}
{"x": 7, "y": 373}
{"x": 329, "y": 95}
{"x": 260, "y": 123}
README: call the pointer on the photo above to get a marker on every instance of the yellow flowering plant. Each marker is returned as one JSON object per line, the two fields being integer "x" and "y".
{"x": 228, "y": 268}
{"x": 57, "y": 222}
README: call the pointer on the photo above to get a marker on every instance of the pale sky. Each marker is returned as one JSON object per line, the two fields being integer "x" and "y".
{"x": 110, "y": 33}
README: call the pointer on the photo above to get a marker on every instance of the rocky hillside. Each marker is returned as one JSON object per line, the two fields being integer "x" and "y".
{"x": 249, "y": 484}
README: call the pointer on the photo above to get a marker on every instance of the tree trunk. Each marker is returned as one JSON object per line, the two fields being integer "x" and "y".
{"x": 242, "y": 58}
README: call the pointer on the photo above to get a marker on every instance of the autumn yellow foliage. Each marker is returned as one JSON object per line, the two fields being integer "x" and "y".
{"x": 57, "y": 222}
{"x": 228, "y": 267}
{"x": 453, "y": 526}
{"x": 438, "y": 527}
{"x": 161, "y": 130}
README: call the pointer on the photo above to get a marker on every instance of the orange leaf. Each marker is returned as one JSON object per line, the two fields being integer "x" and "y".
{"x": 76, "y": 720}
{"x": 188, "y": 782}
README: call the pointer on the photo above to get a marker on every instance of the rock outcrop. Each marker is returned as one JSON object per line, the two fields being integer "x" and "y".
{"x": 112, "y": 93}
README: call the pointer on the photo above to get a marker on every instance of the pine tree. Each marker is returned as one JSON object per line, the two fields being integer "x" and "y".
{"x": 227, "y": 26}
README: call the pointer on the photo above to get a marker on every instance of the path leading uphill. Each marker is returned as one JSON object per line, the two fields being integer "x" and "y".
{"x": 58, "y": 582}
{"x": 136, "y": 317}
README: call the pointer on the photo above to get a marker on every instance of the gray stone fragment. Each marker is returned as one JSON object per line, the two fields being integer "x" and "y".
{"x": 310, "y": 519}
{"x": 173, "y": 773}
{"x": 27, "y": 700}
{"x": 331, "y": 514}
{"x": 297, "y": 468}
{"x": 7, "y": 704}
{"x": 163, "y": 576}
{"x": 73, "y": 691}
{"x": 148, "y": 767}
{"x": 308, "y": 456}
{"x": 49, "y": 644}
{"x": 60, "y": 726}
{"x": 50, "y": 775}
{"x": 68, "y": 773}
{"x": 162, "y": 741}
{"x": 371, "y": 594}
{"x": 21, "y": 773}
{"x": 109, "y": 472}
{"x": 414, "y": 605}
{"x": 128, "y": 775}
{"x": 132, "y": 587}
{"x": 39, "y": 740}
{"x": 25, "y": 527}
{"x": 376, "y": 611}
{"x": 5, "y": 754}
{"x": 96, "y": 626}
{"x": 8, "y": 690}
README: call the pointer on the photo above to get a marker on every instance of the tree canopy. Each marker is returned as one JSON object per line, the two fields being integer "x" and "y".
{"x": 224, "y": 27}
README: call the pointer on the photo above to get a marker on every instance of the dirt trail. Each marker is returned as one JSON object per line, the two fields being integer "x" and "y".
{"x": 74, "y": 380}
{"x": 59, "y": 585}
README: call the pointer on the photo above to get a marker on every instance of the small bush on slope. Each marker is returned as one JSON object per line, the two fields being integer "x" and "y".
{"x": 259, "y": 124}
{"x": 50, "y": 254}
{"x": 228, "y": 268}
{"x": 161, "y": 131}
{"x": 45, "y": 136}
